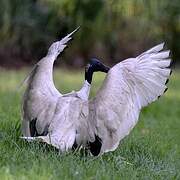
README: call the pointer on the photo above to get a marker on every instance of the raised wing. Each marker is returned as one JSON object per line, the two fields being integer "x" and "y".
{"x": 129, "y": 86}
{"x": 54, "y": 50}
{"x": 41, "y": 95}
{"x": 57, "y": 47}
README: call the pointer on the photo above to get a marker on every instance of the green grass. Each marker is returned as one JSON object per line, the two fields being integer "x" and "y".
{"x": 151, "y": 151}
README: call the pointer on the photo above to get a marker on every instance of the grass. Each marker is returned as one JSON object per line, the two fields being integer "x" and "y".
{"x": 151, "y": 151}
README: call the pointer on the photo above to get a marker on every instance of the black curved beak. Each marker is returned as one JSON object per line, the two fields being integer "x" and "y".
{"x": 105, "y": 68}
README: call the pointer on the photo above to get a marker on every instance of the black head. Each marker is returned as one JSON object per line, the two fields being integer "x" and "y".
{"x": 94, "y": 66}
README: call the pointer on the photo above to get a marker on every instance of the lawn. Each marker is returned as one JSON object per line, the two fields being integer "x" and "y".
{"x": 151, "y": 151}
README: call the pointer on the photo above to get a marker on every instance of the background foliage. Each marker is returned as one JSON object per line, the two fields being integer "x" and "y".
{"x": 110, "y": 29}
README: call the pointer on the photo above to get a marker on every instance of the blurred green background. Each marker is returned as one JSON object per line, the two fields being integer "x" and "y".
{"x": 111, "y": 30}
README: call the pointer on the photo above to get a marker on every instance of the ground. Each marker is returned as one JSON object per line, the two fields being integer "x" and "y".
{"x": 151, "y": 151}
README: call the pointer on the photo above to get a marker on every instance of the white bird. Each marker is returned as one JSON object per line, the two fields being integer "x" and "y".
{"x": 101, "y": 123}
{"x": 41, "y": 99}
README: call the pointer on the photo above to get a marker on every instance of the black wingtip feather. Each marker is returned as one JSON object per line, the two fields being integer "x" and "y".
{"x": 33, "y": 130}
{"x": 163, "y": 93}
{"x": 32, "y": 127}
{"x": 165, "y": 90}
{"x": 170, "y": 72}
{"x": 171, "y": 63}
{"x": 167, "y": 81}
{"x": 95, "y": 147}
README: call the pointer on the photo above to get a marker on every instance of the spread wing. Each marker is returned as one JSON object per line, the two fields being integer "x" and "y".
{"x": 129, "y": 86}
{"x": 41, "y": 95}
{"x": 55, "y": 49}
{"x": 64, "y": 127}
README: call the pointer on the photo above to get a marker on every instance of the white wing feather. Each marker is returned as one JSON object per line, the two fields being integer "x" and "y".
{"x": 41, "y": 95}
{"x": 65, "y": 124}
{"x": 129, "y": 86}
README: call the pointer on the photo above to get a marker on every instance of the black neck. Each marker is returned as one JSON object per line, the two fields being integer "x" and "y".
{"x": 89, "y": 75}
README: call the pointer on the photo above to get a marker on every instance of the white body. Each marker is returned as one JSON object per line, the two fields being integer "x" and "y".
{"x": 128, "y": 87}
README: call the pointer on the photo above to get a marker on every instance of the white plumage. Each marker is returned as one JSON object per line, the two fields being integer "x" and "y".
{"x": 102, "y": 122}
{"x": 129, "y": 86}
{"x": 41, "y": 97}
